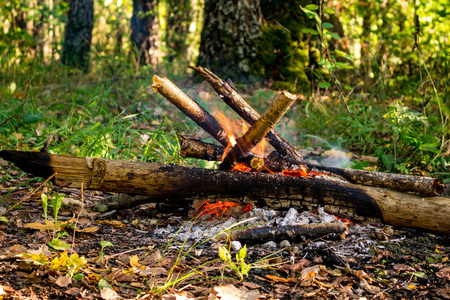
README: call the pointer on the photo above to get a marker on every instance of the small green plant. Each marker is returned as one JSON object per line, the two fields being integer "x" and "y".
{"x": 56, "y": 202}
{"x": 240, "y": 267}
{"x": 104, "y": 244}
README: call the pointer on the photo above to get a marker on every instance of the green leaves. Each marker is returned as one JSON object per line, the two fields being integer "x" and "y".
{"x": 240, "y": 267}
{"x": 310, "y": 31}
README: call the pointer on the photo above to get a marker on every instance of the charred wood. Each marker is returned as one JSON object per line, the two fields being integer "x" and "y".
{"x": 290, "y": 232}
{"x": 163, "y": 183}
{"x": 426, "y": 186}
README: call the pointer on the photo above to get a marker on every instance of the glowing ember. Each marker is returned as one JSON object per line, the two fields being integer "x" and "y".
{"x": 302, "y": 172}
{"x": 219, "y": 208}
{"x": 241, "y": 167}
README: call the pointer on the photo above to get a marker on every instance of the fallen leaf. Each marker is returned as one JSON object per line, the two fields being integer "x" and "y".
{"x": 17, "y": 248}
{"x": 444, "y": 273}
{"x": 88, "y": 229}
{"x": 280, "y": 279}
{"x": 113, "y": 223}
{"x": 229, "y": 291}
{"x": 309, "y": 273}
{"x": 73, "y": 291}
{"x": 403, "y": 268}
{"x": 63, "y": 281}
{"x": 18, "y": 135}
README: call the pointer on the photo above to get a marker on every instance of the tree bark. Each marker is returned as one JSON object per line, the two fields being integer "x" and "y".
{"x": 230, "y": 32}
{"x": 170, "y": 182}
{"x": 145, "y": 31}
{"x": 78, "y": 35}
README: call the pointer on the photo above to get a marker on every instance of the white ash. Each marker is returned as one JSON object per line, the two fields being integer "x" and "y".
{"x": 269, "y": 245}
{"x": 357, "y": 244}
{"x": 285, "y": 244}
{"x": 236, "y": 245}
{"x": 200, "y": 230}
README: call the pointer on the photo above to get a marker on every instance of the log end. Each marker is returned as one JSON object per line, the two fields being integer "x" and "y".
{"x": 438, "y": 186}
{"x": 157, "y": 83}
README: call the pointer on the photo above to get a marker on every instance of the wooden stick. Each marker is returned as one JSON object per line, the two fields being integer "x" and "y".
{"x": 170, "y": 182}
{"x": 190, "y": 108}
{"x": 259, "y": 129}
{"x": 243, "y": 109}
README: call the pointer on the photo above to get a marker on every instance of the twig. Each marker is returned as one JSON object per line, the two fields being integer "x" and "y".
{"x": 30, "y": 194}
{"x": 12, "y": 117}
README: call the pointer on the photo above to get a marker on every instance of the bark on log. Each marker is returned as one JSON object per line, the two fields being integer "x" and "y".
{"x": 190, "y": 108}
{"x": 258, "y": 130}
{"x": 171, "y": 182}
{"x": 425, "y": 186}
{"x": 243, "y": 109}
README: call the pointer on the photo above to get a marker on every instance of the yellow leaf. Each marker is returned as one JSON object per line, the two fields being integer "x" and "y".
{"x": 42, "y": 227}
{"x": 113, "y": 223}
{"x": 134, "y": 262}
{"x": 88, "y": 229}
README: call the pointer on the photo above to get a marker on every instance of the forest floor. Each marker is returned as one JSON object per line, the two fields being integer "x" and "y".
{"x": 144, "y": 259}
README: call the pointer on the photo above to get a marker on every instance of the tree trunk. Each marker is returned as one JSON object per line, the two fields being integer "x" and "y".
{"x": 145, "y": 31}
{"x": 230, "y": 32}
{"x": 179, "y": 18}
{"x": 77, "y": 41}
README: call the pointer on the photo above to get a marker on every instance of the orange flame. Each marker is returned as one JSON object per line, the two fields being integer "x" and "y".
{"x": 238, "y": 128}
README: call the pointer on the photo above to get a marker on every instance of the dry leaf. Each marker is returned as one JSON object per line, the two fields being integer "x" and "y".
{"x": 17, "y": 248}
{"x": 63, "y": 281}
{"x": 109, "y": 294}
{"x": 88, "y": 229}
{"x": 403, "y": 268}
{"x": 113, "y": 223}
{"x": 444, "y": 273}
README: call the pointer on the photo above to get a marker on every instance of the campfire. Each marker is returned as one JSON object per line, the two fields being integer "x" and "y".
{"x": 246, "y": 175}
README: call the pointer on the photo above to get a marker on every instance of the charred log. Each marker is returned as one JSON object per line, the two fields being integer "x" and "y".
{"x": 426, "y": 186}
{"x": 174, "y": 183}
{"x": 290, "y": 232}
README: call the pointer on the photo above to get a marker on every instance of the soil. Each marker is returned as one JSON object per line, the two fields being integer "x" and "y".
{"x": 138, "y": 264}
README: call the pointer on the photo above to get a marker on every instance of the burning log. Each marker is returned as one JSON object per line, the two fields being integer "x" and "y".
{"x": 289, "y": 232}
{"x": 161, "y": 183}
{"x": 243, "y": 109}
{"x": 190, "y": 108}
{"x": 426, "y": 186}
{"x": 258, "y": 130}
